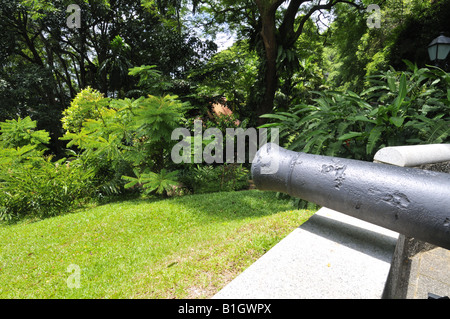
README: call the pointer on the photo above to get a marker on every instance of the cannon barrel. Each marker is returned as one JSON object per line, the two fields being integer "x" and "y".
{"x": 410, "y": 201}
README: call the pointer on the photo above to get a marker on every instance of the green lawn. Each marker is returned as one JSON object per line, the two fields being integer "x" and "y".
{"x": 185, "y": 247}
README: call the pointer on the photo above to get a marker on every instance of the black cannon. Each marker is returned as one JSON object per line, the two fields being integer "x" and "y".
{"x": 410, "y": 201}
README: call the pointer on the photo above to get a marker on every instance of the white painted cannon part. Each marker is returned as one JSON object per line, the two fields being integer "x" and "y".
{"x": 413, "y": 155}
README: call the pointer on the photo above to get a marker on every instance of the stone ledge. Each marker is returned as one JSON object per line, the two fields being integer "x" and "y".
{"x": 331, "y": 256}
{"x": 413, "y": 155}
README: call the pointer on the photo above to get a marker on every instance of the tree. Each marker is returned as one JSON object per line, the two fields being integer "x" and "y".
{"x": 115, "y": 68}
{"x": 275, "y": 25}
{"x": 45, "y": 63}
{"x": 230, "y": 74}
{"x": 356, "y": 50}
{"x": 285, "y": 34}
{"x": 425, "y": 21}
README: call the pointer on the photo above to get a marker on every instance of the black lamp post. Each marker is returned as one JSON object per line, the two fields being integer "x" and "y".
{"x": 438, "y": 50}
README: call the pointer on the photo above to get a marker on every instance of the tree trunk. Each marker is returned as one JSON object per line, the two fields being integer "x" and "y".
{"x": 271, "y": 84}
{"x": 287, "y": 34}
{"x": 268, "y": 35}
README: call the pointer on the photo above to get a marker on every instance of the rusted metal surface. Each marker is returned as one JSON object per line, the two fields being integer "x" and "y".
{"x": 410, "y": 201}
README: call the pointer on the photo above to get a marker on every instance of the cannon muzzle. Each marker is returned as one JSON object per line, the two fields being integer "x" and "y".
{"x": 410, "y": 201}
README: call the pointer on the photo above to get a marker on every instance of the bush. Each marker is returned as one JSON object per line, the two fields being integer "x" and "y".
{"x": 208, "y": 178}
{"x": 31, "y": 184}
{"x": 88, "y": 104}
{"x": 399, "y": 108}
{"x": 130, "y": 138}
{"x": 42, "y": 189}
{"x": 163, "y": 183}
{"x": 22, "y": 132}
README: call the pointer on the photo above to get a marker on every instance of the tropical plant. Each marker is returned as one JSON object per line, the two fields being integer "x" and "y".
{"x": 398, "y": 108}
{"x": 208, "y": 178}
{"x": 161, "y": 183}
{"x": 413, "y": 107}
{"x": 22, "y": 132}
{"x": 126, "y": 134}
{"x": 32, "y": 184}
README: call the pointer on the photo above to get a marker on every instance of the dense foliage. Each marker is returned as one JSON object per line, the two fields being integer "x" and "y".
{"x": 45, "y": 63}
{"x": 122, "y": 136}
{"x": 89, "y": 112}
{"x": 31, "y": 184}
{"x": 398, "y": 108}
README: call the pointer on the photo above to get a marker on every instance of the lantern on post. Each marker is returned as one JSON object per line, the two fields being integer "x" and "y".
{"x": 439, "y": 49}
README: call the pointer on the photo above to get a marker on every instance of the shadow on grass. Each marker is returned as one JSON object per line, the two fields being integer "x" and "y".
{"x": 218, "y": 206}
{"x": 81, "y": 206}
{"x": 234, "y": 205}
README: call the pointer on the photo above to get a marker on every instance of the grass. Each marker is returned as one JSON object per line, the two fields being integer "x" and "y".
{"x": 185, "y": 247}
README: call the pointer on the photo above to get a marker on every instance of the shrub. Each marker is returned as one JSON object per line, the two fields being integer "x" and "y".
{"x": 399, "y": 108}
{"x": 22, "y": 132}
{"x": 127, "y": 136}
{"x": 31, "y": 184}
{"x": 42, "y": 189}
{"x": 208, "y": 178}
{"x": 162, "y": 183}
{"x": 88, "y": 104}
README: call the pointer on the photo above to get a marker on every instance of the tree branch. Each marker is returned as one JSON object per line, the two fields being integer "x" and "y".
{"x": 287, "y": 26}
{"x": 24, "y": 32}
{"x": 313, "y": 9}
{"x": 276, "y": 4}
{"x": 356, "y": 5}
